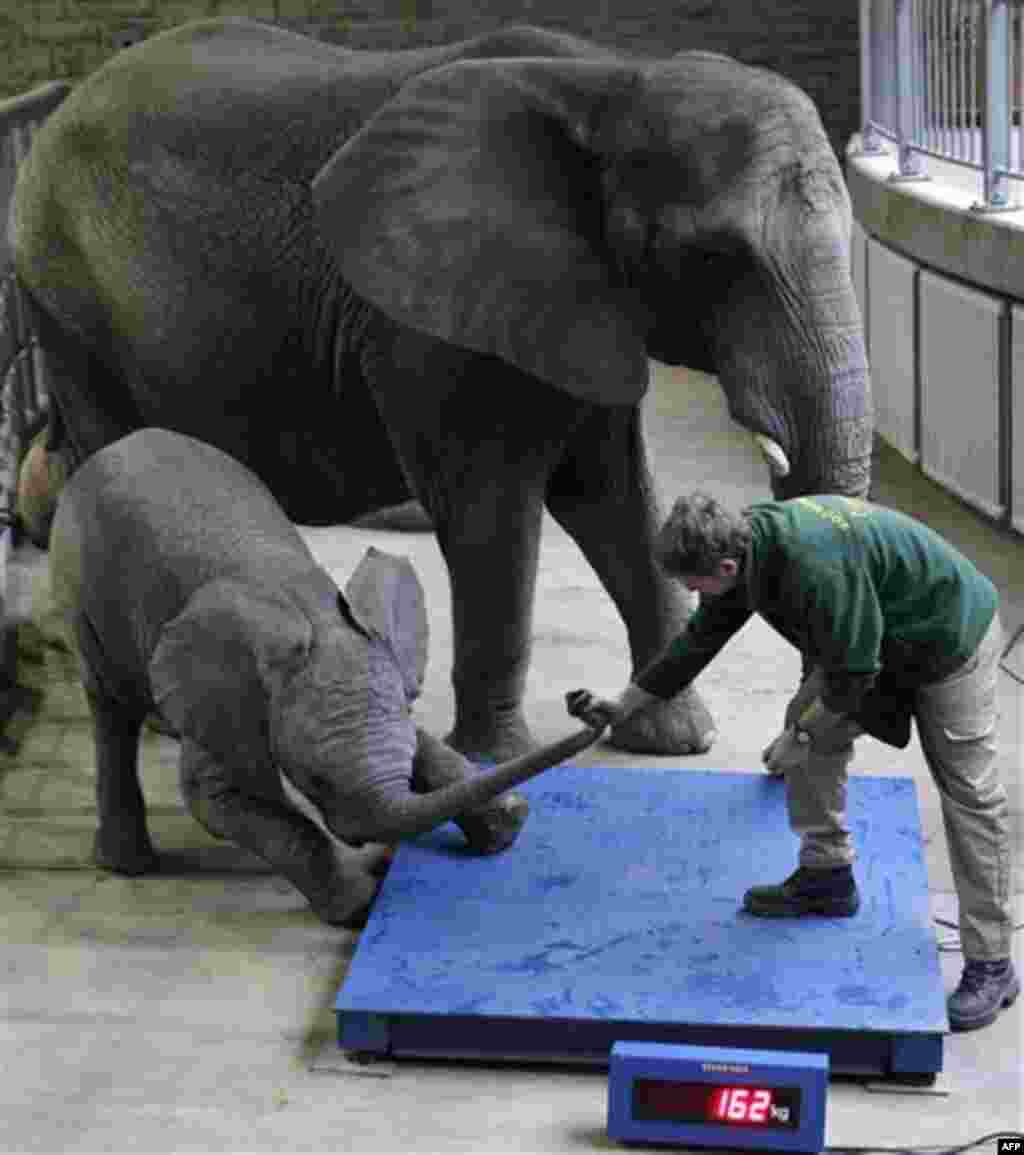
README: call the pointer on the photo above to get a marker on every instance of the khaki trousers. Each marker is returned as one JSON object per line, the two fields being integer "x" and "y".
{"x": 956, "y": 724}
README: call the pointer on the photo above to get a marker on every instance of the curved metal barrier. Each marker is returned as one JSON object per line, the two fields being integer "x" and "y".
{"x": 23, "y": 391}
{"x": 943, "y": 78}
{"x": 937, "y": 186}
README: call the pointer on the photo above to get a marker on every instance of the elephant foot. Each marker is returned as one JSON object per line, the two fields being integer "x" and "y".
{"x": 128, "y": 856}
{"x": 495, "y": 827}
{"x": 407, "y": 517}
{"x": 682, "y": 725}
{"x": 489, "y": 742}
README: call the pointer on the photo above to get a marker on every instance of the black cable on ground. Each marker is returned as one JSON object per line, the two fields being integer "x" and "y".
{"x": 920, "y": 1150}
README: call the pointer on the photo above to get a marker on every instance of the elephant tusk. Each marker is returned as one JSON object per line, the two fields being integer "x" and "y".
{"x": 773, "y": 453}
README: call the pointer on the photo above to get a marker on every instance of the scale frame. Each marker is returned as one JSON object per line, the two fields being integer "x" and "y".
{"x": 616, "y": 917}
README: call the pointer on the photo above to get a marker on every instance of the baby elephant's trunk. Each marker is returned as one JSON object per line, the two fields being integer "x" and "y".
{"x": 422, "y": 812}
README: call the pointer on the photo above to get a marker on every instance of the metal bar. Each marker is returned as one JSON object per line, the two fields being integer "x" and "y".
{"x": 870, "y": 140}
{"x": 892, "y": 92}
{"x": 962, "y": 35}
{"x": 995, "y": 127}
{"x": 910, "y": 165}
{"x": 951, "y": 57}
{"x": 1011, "y": 84}
{"x": 927, "y": 75}
{"x": 914, "y": 128}
{"x": 921, "y": 87}
{"x": 937, "y": 50}
{"x": 965, "y": 128}
{"x": 1016, "y": 111}
{"x": 882, "y": 65}
{"x": 956, "y": 139}
{"x": 943, "y": 45}
{"x": 975, "y": 74}
{"x": 953, "y": 105}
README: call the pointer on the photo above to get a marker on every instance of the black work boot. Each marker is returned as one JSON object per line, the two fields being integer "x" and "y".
{"x": 985, "y": 988}
{"x": 831, "y": 892}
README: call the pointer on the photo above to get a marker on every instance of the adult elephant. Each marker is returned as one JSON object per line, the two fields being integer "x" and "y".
{"x": 440, "y": 274}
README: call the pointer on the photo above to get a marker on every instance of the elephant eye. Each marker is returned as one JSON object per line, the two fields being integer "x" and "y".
{"x": 718, "y": 257}
{"x": 321, "y": 785}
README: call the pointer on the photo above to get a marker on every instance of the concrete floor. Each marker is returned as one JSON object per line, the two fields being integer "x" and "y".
{"x": 192, "y": 1010}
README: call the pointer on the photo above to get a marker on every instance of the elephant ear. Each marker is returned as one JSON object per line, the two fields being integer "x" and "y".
{"x": 469, "y": 207}
{"x": 216, "y": 664}
{"x": 385, "y": 599}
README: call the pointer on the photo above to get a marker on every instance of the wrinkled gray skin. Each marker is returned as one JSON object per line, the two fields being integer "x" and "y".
{"x": 189, "y": 591}
{"x": 451, "y": 266}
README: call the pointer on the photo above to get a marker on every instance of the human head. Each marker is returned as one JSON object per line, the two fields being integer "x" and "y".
{"x": 703, "y": 544}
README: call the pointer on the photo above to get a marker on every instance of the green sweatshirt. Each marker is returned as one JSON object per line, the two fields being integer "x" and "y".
{"x": 877, "y": 599}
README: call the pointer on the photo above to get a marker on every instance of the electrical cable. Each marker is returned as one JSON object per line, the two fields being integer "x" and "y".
{"x": 920, "y": 1150}
{"x": 947, "y": 948}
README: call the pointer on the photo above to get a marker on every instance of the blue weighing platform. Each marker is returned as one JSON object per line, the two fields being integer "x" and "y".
{"x": 617, "y": 916}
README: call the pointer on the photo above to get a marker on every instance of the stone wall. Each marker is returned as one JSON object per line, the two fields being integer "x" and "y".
{"x": 814, "y": 42}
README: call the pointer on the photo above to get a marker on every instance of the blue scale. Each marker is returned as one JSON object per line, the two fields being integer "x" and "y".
{"x": 616, "y": 918}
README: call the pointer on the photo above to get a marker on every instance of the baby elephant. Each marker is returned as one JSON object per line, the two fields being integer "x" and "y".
{"x": 190, "y": 593}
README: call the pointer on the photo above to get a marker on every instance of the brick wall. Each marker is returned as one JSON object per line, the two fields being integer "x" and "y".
{"x": 814, "y": 42}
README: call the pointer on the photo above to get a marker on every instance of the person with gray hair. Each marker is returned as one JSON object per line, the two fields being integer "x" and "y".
{"x": 894, "y": 624}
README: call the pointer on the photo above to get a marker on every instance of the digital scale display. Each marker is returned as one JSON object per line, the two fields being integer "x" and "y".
{"x": 717, "y": 1097}
{"x": 715, "y": 1103}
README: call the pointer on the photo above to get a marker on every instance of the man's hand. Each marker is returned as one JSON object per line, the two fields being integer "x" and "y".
{"x": 784, "y": 753}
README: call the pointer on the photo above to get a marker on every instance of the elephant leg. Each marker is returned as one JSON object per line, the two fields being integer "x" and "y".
{"x": 336, "y": 880}
{"x": 122, "y": 840}
{"x": 491, "y": 544}
{"x": 479, "y": 466}
{"x": 602, "y": 494}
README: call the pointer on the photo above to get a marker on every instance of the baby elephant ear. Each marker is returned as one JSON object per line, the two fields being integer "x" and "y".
{"x": 386, "y": 600}
{"x": 470, "y": 208}
{"x": 215, "y": 663}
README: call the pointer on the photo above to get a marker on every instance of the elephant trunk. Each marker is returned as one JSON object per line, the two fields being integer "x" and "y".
{"x": 834, "y": 425}
{"x": 793, "y": 364}
{"x": 836, "y": 434}
{"x": 415, "y": 814}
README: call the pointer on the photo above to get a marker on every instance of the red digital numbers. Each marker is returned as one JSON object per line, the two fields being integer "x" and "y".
{"x": 741, "y": 1105}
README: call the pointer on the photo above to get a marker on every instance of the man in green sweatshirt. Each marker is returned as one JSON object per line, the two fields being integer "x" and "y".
{"x": 893, "y": 624}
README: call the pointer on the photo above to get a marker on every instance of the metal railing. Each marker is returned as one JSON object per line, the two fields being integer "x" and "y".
{"x": 944, "y": 78}
{"x": 23, "y": 392}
